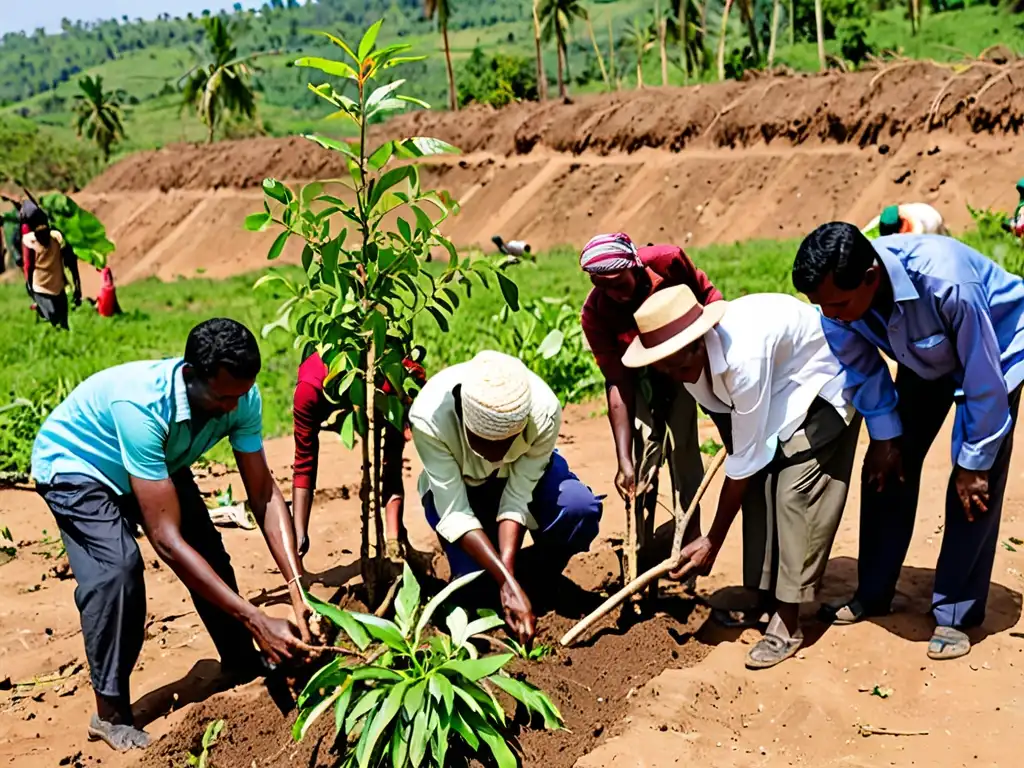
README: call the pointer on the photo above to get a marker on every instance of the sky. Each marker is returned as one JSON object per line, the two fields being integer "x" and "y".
{"x": 20, "y": 15}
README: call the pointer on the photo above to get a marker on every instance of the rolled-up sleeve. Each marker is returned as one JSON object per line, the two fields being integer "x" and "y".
{"x": 750, "y": 391}
{"x": 247, "y": 427}
{"x": 870, "y": 386}
{"x": 444, "y": 477}
{"x": 526, "y": 471}
{"x": 983, "y": 419}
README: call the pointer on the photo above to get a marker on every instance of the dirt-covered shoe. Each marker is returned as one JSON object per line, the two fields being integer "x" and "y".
{"x": 776, "y": 646}
{"x": 118, "y": 737}
{"x": 948, "y": 643}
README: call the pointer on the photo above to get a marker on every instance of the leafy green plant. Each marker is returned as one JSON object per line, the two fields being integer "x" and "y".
{"x": 8, "y": 549}
{"x": 82, "y": 230}
{"x": 362, "y": 293}
{"x": 992, "y": 239}
{"x": 210, "y": 737}
{"x": 547, "y": 336}
{"x": 710, "y": 447}
{"x": 535, "y": 653}
{"x": 413, "y": 694}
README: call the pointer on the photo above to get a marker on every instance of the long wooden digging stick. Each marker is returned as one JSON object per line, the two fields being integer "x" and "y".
{"x": 657, "y": 571}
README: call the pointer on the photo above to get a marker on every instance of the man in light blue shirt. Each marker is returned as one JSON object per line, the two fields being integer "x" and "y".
{"x": 117, "y": 454}
{"x": 953, "y": 321}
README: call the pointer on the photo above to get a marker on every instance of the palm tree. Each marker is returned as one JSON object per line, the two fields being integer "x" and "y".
{"x": 556, "y": 18}
{"x": 443, "y": 10}
{"x": 98, "y": 114}
{"x": 639, "y": 38}
{"x": 220, "y": 82}
{"x": 689, "y": 34}
{"x": 542, "y": 79}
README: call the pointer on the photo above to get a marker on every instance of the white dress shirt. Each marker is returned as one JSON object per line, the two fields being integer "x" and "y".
{"x": 768, "y": 361}
{"x": 450, "y": 464}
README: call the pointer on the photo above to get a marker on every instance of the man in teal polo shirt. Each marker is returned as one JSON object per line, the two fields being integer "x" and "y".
{"x": 116, "y": 454}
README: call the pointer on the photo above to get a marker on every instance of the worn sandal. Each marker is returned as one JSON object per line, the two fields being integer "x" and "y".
{"x": 776, "y": 646}
{"x": 117, "y": 737}
{"x": 948, "y": 643}
{"x": 846, "y": 613}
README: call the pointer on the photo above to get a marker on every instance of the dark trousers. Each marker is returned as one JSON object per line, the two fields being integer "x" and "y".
{"x": 53, "y": 309}
{"x": 968, "y": 550}
{"x": 566, "y": 511}
{"x": 98, "y": 528}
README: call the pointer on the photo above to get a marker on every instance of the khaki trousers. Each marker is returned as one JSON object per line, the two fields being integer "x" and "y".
{"x": 793, "y": 507}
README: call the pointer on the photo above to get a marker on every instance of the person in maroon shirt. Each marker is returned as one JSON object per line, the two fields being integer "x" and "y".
{"x": 649, "y": 416}
{"x": 311, "y": 409}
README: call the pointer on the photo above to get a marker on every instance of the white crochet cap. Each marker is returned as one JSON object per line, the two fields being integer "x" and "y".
{"x": 496, "y": 396}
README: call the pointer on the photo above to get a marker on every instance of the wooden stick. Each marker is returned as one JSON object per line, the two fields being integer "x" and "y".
{"x": 657, "y": 571}
{"x": 873, "y": 730}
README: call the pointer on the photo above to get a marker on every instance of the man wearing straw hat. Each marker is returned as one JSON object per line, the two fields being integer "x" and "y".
{"x": 761, "y": 367}
{"x": 648, "y": 415}
{"x": 485, "y": 431}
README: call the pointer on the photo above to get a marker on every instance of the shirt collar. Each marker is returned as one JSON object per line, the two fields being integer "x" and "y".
{"x": 182, "y": 412}
{"x": 902, "y": 287}
{"x": 718, "y": 365}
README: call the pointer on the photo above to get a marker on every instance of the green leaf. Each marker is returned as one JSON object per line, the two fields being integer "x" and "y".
{"x": 278, "y": 246}
{"x": 510, "y": 291}
{"x": 328, "y": 143}
{"x": 387, "y": 181}
{"x": 329, "y": 255}
{"x": 414, "y": 698}
{"x": 326, "y": 678}
{"x": 365, "y": 46}
{"x": 384, "y": 716}
{"x": 307, "y": 717}
{"x": 503, "y": 756}
{"x": 338, "y": 42}
{"x": 310, "y": 192}
{"x": 439, "y": 727}
{"x": 474, "y": 669}
{"x": 278, "y": 191}
{"x": 551, "y": 345}
{"x": 307, "y": 258}
{"x": 341, "y": 618}
{"x": 376, "y": 672}
{"x": 438, "y": 599}
{"x": 257, "y": 222}
{"x": 404, "y": 229}
{"x": 341, "y": 708}
{"x": 441, "y": 690}
{"x": 418, "y": 742}
{"x": 272, "y": 277}
{"x": 328, "y": 67}
{"x": 453, "y": 297}
{"x": 457, "y": 622}
{"x": 442, "y": 321}
{"x": 364, "y": 705}
{"x": 532, "y": 698}
{"x": 413, "y": 99}
{"x": 400, "y": 737}
{"x": 383, "y": 630}
{"x": 424, "y": 146}
{"x": 483, "y": 624}
{"x": 461, "y": 727}
{"x": 380, "y": 156}
{"x": 348, "y": 438}
{"x": 407, "y": 601}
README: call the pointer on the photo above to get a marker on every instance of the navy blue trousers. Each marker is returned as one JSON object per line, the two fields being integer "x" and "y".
{"x": 964, "y": 568}
{"x": 567, "y": 513}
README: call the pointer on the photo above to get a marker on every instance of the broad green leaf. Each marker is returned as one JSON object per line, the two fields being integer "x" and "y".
{"x": 532, "y": 698}
{"x": 474, "y": 669}
{"x": 407, "y": 601}
{"x": 414, "y": 698}
{"x": 272, "y": 277}
{"x": 483, "y": 624}
{"x": 348, "y": 438}
{"x": 509, "y": 290}
{"x": 310, "y": 191}
{"x": 400, "y": 737}
{"x": 326, "y": 678}
{"x": 457, "y": 622}
{"x": 278, "y": 246}
{"x": 381, "y": 94}
{"x": 461, "y": 727}
{"x": 307, "y": 258}
{"x": 551, "y": 345}
{"x": 338, "y": 42}
{"x": 283, "y": 321}
{"x": 438, "y": 599}
{"x": 375, "y": 672}
{"x": 341, "y": 618}
{"x": 503, "y": 756}
{"x": 387, "y": 181}
{"x": 257, "y": 222}
{"x": 328, "y": 67}
{"x": 383, "y": 630}
{"x": 380, "y": 156}
{"x": 471, "y": 704}
{"x": 381, "y": 720}
{"x": 441, "y": 320}
{"x": 341, "y": 708}
{"x": 443, "y": 304}
{"x": 412, "y": 100}
{"x": 424, "y": 146}
{"x": 488, "y": 704}
{"x": 306, "y": 718}
{"x": 404, "y": 229}
{"x": 363, "y": 706}
{"x": 453, "y": 297}
{"x": 399, "y": 60}
{"x": 328, "y": 143}
{"x": 439, "y": 729}
{"x": 365, "y": 46}
{"x": 364, "y": 736}
{"x": 329, "y": 255}
{"x": 441, "y": 689}
{"x": 277, "y": 190}
{"x": 418, "y": 741}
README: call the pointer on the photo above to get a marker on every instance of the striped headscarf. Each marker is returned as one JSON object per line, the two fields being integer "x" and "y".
{"x": 605, "y": 254}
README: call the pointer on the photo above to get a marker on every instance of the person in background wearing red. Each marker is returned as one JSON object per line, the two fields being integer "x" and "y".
{"x": 311, "y": 409}
{"x": 106, "y": 302}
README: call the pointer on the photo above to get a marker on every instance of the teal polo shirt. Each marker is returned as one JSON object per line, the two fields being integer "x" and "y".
{"x": 134, "y": 420}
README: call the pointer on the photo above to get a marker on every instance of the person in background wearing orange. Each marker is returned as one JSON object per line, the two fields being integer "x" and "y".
{"x": 311, "y": 409}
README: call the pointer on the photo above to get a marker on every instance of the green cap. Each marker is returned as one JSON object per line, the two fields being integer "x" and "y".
{"x": 889, "y": 223}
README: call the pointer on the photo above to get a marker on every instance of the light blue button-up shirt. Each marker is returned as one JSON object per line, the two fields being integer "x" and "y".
{"x": 135, "y": 420}
{"x": 956, "y": 313}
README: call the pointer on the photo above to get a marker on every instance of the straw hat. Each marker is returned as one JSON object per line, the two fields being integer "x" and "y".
{"x": 668, "y": 321}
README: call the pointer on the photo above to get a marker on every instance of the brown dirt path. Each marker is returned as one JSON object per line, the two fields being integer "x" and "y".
{"x": 803, "y": 713}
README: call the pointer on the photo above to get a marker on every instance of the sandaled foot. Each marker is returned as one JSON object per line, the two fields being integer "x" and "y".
{"x": 843, "y": 614}
{"x": 117, "y": 737}
{"x": 740, "y": 618}
{"x": 948, "y": 643}
{"x": 776, "y": 646}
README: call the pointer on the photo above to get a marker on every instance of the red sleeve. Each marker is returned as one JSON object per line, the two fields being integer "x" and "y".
{"x": 603, "y": 341}
{"x": 684, "y": 271}
{"x": 306, "y": 411}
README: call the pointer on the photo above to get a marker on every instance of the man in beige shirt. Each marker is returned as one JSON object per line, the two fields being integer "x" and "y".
{"x": 485, "y": 431}
{"x": 48, "y": 255}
